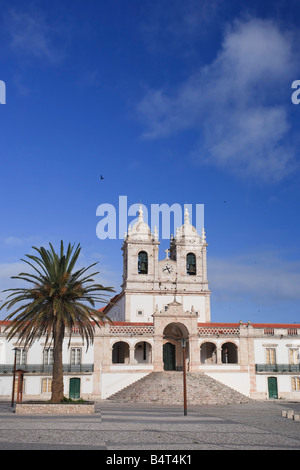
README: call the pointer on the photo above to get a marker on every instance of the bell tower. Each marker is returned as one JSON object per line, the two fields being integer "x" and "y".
{"x": 140, "y": 257}
{"x": 149, "y": 283}
{"x": 140, "y": 268}
{"x": 189, "y": 250}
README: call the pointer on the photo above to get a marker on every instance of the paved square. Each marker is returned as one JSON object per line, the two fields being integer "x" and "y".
{"x": 253, "y": 426}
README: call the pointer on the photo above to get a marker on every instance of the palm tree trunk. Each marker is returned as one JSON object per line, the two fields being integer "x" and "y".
{"x": 57, "y": 377}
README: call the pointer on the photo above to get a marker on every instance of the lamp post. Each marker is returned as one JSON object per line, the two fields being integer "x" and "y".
{"x": 14, "y": 378}
{"x": 183, "y": 344}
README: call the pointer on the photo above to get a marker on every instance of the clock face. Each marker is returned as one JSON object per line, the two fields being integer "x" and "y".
{"x": 167, "y": 269}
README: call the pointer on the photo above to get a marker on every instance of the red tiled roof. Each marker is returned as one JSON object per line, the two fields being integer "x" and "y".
{"x": 275, "y": 325}
{"x": 128, "y": 323}
{"x": 255, "y": 325}
{"x": 206, "y": 324}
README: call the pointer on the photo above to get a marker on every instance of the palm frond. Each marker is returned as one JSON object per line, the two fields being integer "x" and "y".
{"x": 57, "y": 294}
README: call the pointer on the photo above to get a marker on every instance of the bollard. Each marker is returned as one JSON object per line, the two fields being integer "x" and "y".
{"x": 290, "y": 414}
{"x": 296, "y": 417}
{"x": 284, "y": 413}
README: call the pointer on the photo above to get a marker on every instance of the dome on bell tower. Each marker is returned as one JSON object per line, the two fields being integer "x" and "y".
{"x": 140, "y": 230}
{"x": 187, "y": 230}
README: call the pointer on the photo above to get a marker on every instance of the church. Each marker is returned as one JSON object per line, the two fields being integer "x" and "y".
{"x": 163, "y": 308}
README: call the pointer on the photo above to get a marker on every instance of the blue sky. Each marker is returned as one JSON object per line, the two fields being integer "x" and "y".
{"x": 172, "y": 102}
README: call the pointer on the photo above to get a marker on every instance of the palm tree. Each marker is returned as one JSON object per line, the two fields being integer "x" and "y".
{"x": 57, "y": 300}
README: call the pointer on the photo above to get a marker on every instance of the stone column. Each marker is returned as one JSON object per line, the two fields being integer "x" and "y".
{"x": 194, "y": 354}
{"x": 158, "y": 363}
{"x": 102, "y": 358}
{"x": 131, "y": 355}
{"x": 247, "y": 355}
{"x": 219, "y": 354}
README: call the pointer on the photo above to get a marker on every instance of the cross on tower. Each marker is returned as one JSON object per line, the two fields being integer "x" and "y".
{"x": 167, "y": 253}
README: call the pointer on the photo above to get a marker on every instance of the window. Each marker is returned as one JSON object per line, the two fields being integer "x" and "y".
{"x": 294, "y": 356}
{"x": 139, "y": 313}
{"x": 46, "y": 385}
{"x": 76, "y": 356}
{"x": 271, "y": 356}
{"x": 296, "y": 384}
{"x": 21, "y": 356}
{"x": 191, "y": 264}
{"x": 48, "y": 356}
{"x": 143, "y": 262}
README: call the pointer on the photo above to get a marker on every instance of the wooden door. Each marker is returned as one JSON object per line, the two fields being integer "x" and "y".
{"x": 272, "y": 387}
{"x": 169, "y": 356}
{"x": 74, "y": 389}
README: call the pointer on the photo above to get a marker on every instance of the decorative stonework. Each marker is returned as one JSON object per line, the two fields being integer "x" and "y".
{"x": 55, "y": 408}
{"x": 134, "y": 330}
{"x": 209, "y": 331}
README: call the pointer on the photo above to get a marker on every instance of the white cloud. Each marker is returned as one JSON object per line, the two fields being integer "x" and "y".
{"x": 238, "y": 104}
{"x": 7, "y": 270}
{"x": 17, "y": 241}
{"x": 10, "y": 269}
{"x": 178, "y": 28}
{"x": 106, "y": 276}
{"x": 33, "y": 36}
{"x": 262, "y": 277}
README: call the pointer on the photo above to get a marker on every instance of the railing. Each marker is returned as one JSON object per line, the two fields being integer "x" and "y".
{"x": 281, "y": 332}
{"x": 218, "y": 331}
{"x": 269, "y": 331}
{"x": 277, "y": 368}
{"x": 131, "y": 330}
{"x": 45, "y": 368}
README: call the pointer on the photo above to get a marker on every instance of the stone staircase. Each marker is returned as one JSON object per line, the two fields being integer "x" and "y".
{"x": 167, "y": 388}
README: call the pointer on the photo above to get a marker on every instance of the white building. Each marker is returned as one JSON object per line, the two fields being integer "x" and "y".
{"x": 163, "y": 301}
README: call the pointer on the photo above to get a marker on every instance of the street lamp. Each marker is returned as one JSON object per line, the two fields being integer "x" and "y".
{"x": 183, "y": 344}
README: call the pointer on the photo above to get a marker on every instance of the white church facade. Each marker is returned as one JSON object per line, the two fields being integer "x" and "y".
{"x": 163, "y": 304}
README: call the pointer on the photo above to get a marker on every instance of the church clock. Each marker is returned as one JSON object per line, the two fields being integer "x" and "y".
{"x": 167, "y": 269}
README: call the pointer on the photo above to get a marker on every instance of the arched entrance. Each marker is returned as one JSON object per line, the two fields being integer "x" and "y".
{"x": 208, "y": 353}
{"x": 120, "y": 353}
{"x": 229, "y": 353}
{"x": 143, "y": 352}
{"x": 173, "y": 335}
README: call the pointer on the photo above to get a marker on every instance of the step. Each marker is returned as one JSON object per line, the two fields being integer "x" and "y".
{"x": 167, "y": 388}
